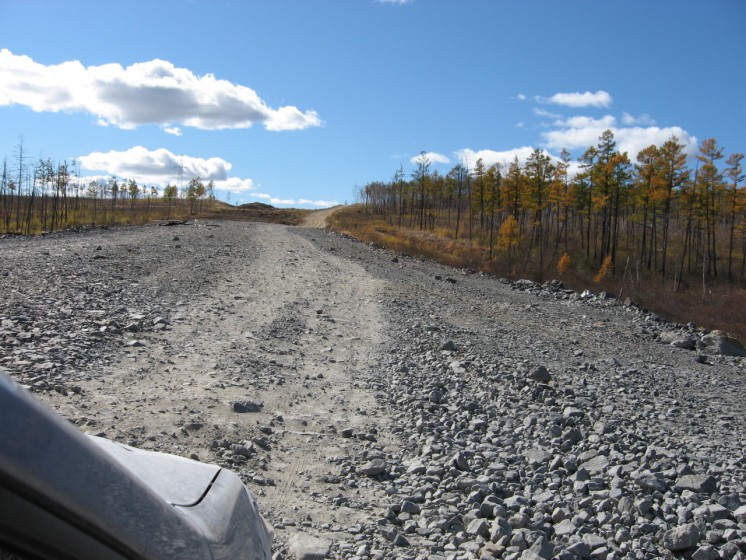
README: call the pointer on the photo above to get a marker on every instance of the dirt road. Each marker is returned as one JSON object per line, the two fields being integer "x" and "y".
{"x": 317, "y": 218}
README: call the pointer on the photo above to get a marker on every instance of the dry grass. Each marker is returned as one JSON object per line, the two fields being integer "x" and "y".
{"x": 125, "y": 213}
{"x": 722, "y": 306}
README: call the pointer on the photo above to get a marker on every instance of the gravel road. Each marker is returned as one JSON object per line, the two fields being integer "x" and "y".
{"x": 381, "y": 406}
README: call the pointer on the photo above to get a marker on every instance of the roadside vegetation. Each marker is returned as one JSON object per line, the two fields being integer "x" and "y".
{"x": 670, "y": 237}
{"x": 43, "y": 197}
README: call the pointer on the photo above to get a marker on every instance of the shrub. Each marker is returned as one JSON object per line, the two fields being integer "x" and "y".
{"x": 564, "y": 264}
{"x": 604, "y": 270}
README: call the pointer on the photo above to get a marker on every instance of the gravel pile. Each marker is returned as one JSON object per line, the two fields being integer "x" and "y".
{"x": 555, "y": 425}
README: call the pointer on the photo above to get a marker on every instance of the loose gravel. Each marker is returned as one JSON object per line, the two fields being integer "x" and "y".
{"x": 382, "y": 406}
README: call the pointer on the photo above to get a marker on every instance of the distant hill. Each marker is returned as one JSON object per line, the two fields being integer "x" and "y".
{"x": 254, "y": 212}
{"x": 257, "y": 206}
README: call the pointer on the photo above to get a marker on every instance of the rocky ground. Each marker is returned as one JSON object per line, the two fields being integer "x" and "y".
{"x": 381, "y": 406}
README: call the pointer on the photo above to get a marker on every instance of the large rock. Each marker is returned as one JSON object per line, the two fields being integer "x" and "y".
{"x": 372, "y": 468}
{"x": 596, "y": 465}
{"x": 564, "y": 528}
{"x": 706, "y": 552}
{"x": 542, "y": 548}
{"x": 682, "y": 537}
{"x": 537, "y": 455}
{"x": 718, "y": 342}
{"x": 306, "y": 547}
{"x": 701, "y": 483}
{"x": 246, "y": 406}
{"x": 678, "y": 339}
{"x": 479, "y": 527}
{"x": 541, "y": 375}
{"x": 651, "y": 483}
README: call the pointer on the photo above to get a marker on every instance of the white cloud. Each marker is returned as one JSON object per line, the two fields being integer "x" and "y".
{"x": 520, "y": 97}
{"x": 400, "y": 2}
{"x": 291, "y": 118}
{"x": 490, "y": 157}
{"x": 292, "y": 202}
{"x": 433, "y": 157}
{"x": 160, "y": 167}
{"x": 544, "y": 113}
{"x": 578, "y": 132}
{"x": 576, "y": 99}
{"x": 273, "y": 200}
{"x": 642, "y": 120}
{"x": 633, "y": 140}
{"x": 235, "y": 185}
{"x": 153, "y": 92}
{"x": 319, "y": 203}
{"x": 174, "y": 130}
{"x": 155, "y": 166}
{"x": 582, "y": 132}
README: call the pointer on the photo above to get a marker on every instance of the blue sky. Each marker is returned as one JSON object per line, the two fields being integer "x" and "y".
{"x": 298, "y": 102}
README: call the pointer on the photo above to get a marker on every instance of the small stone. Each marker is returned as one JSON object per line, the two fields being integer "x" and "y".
{"x": 417, "y": 468}
{"x": 678, "y": 340}
{"x": 479, "y": 527}
{"x": 681, "y": 538}
{"x": 306, "y": 547}
{"x": 651, "y": 483}
{"x": 393, "y": 536}
{"x": 706, "y": 552}
{"x": 700, "y": 483}
{"x": 460, "y": 462}
{"x": 542, "y": 548}
{"x": 537, "y": 456}
{"x": 594, "y": 541}
{"x": 410, "y": 507}
{"x": 572, "y": 412}
{"x": 519, "y": 520}
{"x": 541, "y": 375}
{"x": 579, "y": 549}
{"x": 500, "y": 528}
{"x": 243, "y": 450}
{"x": 595, "y": 465}
{"x": 246, "y": 406}
{"x": 372, "y": 468}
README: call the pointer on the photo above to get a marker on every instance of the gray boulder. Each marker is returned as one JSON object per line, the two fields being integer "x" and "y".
{"x": 700, "y": 483}
{"x": 306, "y": 547}
{"x": 541, "y": 375}
{"x": 682, "y": 537}
{"x": 372, "y": 468}
{"x": 718, "y": 342}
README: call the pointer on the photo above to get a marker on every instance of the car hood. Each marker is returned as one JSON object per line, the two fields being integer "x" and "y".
{"x": 179, "y": 481}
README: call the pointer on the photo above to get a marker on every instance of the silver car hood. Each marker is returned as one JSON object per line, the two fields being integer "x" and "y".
{"x": 179, "y": 481}
{"x": 66, "y": 495}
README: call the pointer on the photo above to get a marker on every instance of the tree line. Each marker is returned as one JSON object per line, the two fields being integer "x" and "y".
{"x": 659, "y": 215}
{"x": 43, "y": 196}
